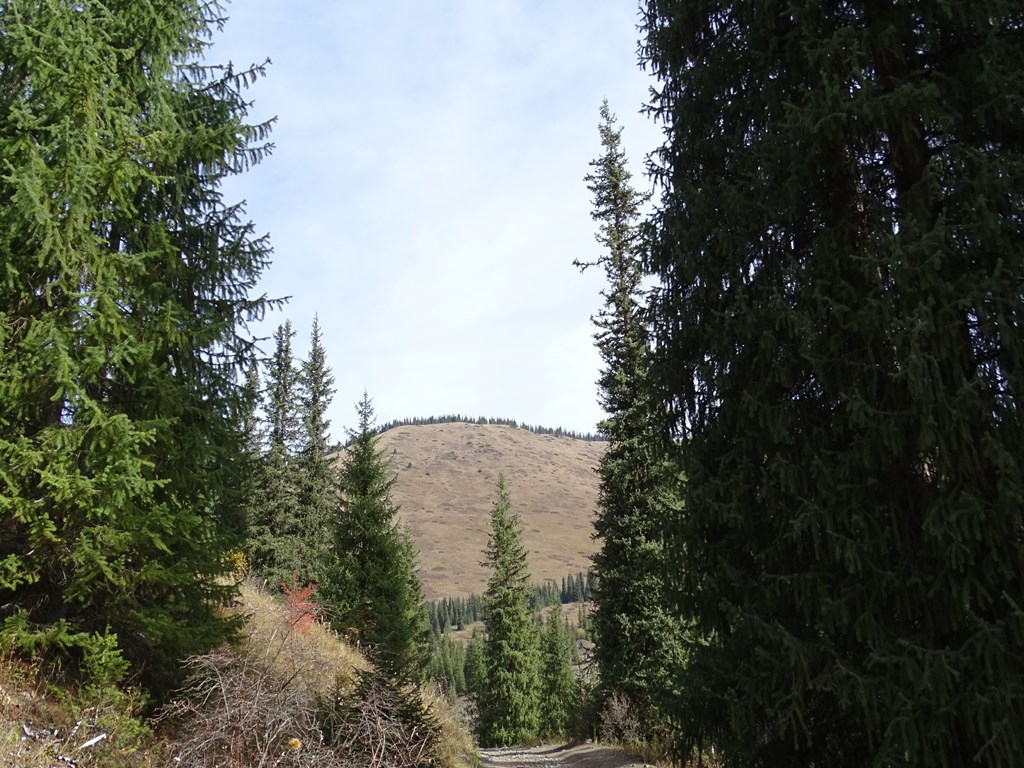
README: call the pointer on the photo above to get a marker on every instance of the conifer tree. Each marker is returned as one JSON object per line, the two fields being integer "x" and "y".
{"x": 476, "y": 669}
{"x": 376, "y": 591}
{"x": 123, "y": 299}
{"x": 840, "y": 252}
{"x": 508, "y": 706}
{"x": 275, "y": 537}
{"x": 559, "y": 691}
{"x": 250, "y": 472}
{"x": 317, "y": 477}
{"x": 638, "y": 637}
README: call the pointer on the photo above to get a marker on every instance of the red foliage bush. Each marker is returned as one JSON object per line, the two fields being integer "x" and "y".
{"x": 303, "y": 610}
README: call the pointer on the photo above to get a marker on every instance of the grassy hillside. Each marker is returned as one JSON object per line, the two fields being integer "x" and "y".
{"x": 446, "y": 479}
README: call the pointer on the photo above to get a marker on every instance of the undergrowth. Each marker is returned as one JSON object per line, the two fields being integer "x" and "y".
{"x": 288, "y": 693}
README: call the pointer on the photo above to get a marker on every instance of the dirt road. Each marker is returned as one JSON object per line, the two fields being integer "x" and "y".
{"x": 583, "y": 756}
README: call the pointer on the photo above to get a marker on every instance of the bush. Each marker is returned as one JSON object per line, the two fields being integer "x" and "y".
{"x": 293, "y": 694}
{"x": 384, "y": 725}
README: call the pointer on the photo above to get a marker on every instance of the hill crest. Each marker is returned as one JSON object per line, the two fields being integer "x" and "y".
{"x": 445, "y": 486}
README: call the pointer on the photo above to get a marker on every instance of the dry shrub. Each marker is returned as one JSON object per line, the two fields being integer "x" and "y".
{"x": 620, "y": 722}
{"x": 384, "y": 725}
{"x": 316, "y": 657}
{"x": 300, "y": 698}
{"x": 455, "y": 746}
{"x": 235, "y": 711}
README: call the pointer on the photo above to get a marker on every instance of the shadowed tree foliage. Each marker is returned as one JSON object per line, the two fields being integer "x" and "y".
{"x": 124, "y": 282}
{"x": 317, "y": 477}
{"x": 509, "y": 704}
{"x": 275, "y": 540}
{"x": 559, "y": 699}
{"x": 840, "y": 247}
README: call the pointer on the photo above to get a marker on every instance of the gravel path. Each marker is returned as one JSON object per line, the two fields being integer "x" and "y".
{"x": 582, "y": 756}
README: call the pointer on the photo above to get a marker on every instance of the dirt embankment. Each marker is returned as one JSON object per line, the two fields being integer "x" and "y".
{"x": 582, "y": 756}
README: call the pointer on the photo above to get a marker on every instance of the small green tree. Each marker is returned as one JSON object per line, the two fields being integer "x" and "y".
{"x": 376, "y": 591}
{"x": 250, "y": 468}
{"x": 476, "y": 665}
{"x": 509, "y": 705}
{"x": 559, "y": 689}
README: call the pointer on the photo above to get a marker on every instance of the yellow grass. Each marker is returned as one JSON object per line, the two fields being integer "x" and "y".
{"x": 445, "y": 487}
{"x": 314, "y": 655}
{"x": 41, "y": 722}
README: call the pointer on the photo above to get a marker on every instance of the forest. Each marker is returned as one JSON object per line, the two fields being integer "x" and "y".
{"x": 811, "y": 510}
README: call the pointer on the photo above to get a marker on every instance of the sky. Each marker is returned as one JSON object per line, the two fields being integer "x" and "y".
{"x": 425, "y": 197}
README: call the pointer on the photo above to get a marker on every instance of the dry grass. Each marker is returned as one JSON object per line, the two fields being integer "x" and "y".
{"x": 285, "y": 695}
{"x": 296, "y": 695}
{"x": 314, "y": 657}
{"x": 445, "y": 486}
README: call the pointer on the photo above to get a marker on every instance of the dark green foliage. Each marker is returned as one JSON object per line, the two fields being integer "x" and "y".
{"x": 448, "y": 663}
{"x": 840, "y": 247}
{"x": 376, "y": 591}
{"x": 317, "y": 476}
{"x": 124, "y": 282}
{"x": 454, "y": 612}
{"x": 275, "y": 532}
{"x": 578, "y": 588}
{"x": 559, "y": 690}
{"x": 476, "y": 666}
{"x": 459, "y": 612}
{"x": 638, "y": 637}
{"x": 508, "y": 706}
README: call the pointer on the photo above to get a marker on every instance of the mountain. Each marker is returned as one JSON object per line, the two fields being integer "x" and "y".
{"x": 445, "y": 486}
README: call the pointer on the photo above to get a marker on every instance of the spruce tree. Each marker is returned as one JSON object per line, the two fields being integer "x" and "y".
{"x": 559, "y": 691}
{"x": 375, "y": 591}
{"x": 476, "y": 668}
{"x": 509, "y": 705}
{"x": 250, "y": 468}
{"x": 840, "y": 252}
{"x": 275, "y": 536}
{"x": 638, "y": 637}
{"x": 317, "y": 477}
{"x": 123, "y": 300}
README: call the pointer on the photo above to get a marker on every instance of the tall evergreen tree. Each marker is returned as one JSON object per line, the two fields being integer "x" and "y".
{"x": 509, "y": 705}
{"x": 376, "y": 591}
{"x": 638, "y": 637}
{"x": 251, "y": 460}
{"x": 841, "y": 253}
{"x": 317, "y": 477}
{"x": 284, "y": 412}
{"x": 275, "y": 536}
{"x": 122, "y": 308}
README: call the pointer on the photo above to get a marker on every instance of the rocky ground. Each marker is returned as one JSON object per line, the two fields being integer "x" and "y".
{"x": 581, "y": 756}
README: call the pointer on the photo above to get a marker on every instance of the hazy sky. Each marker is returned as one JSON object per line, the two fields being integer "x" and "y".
{"x": 426, "y": 193}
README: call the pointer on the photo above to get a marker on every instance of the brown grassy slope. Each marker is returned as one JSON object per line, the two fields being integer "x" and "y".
{"x": 446, "y": 484}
